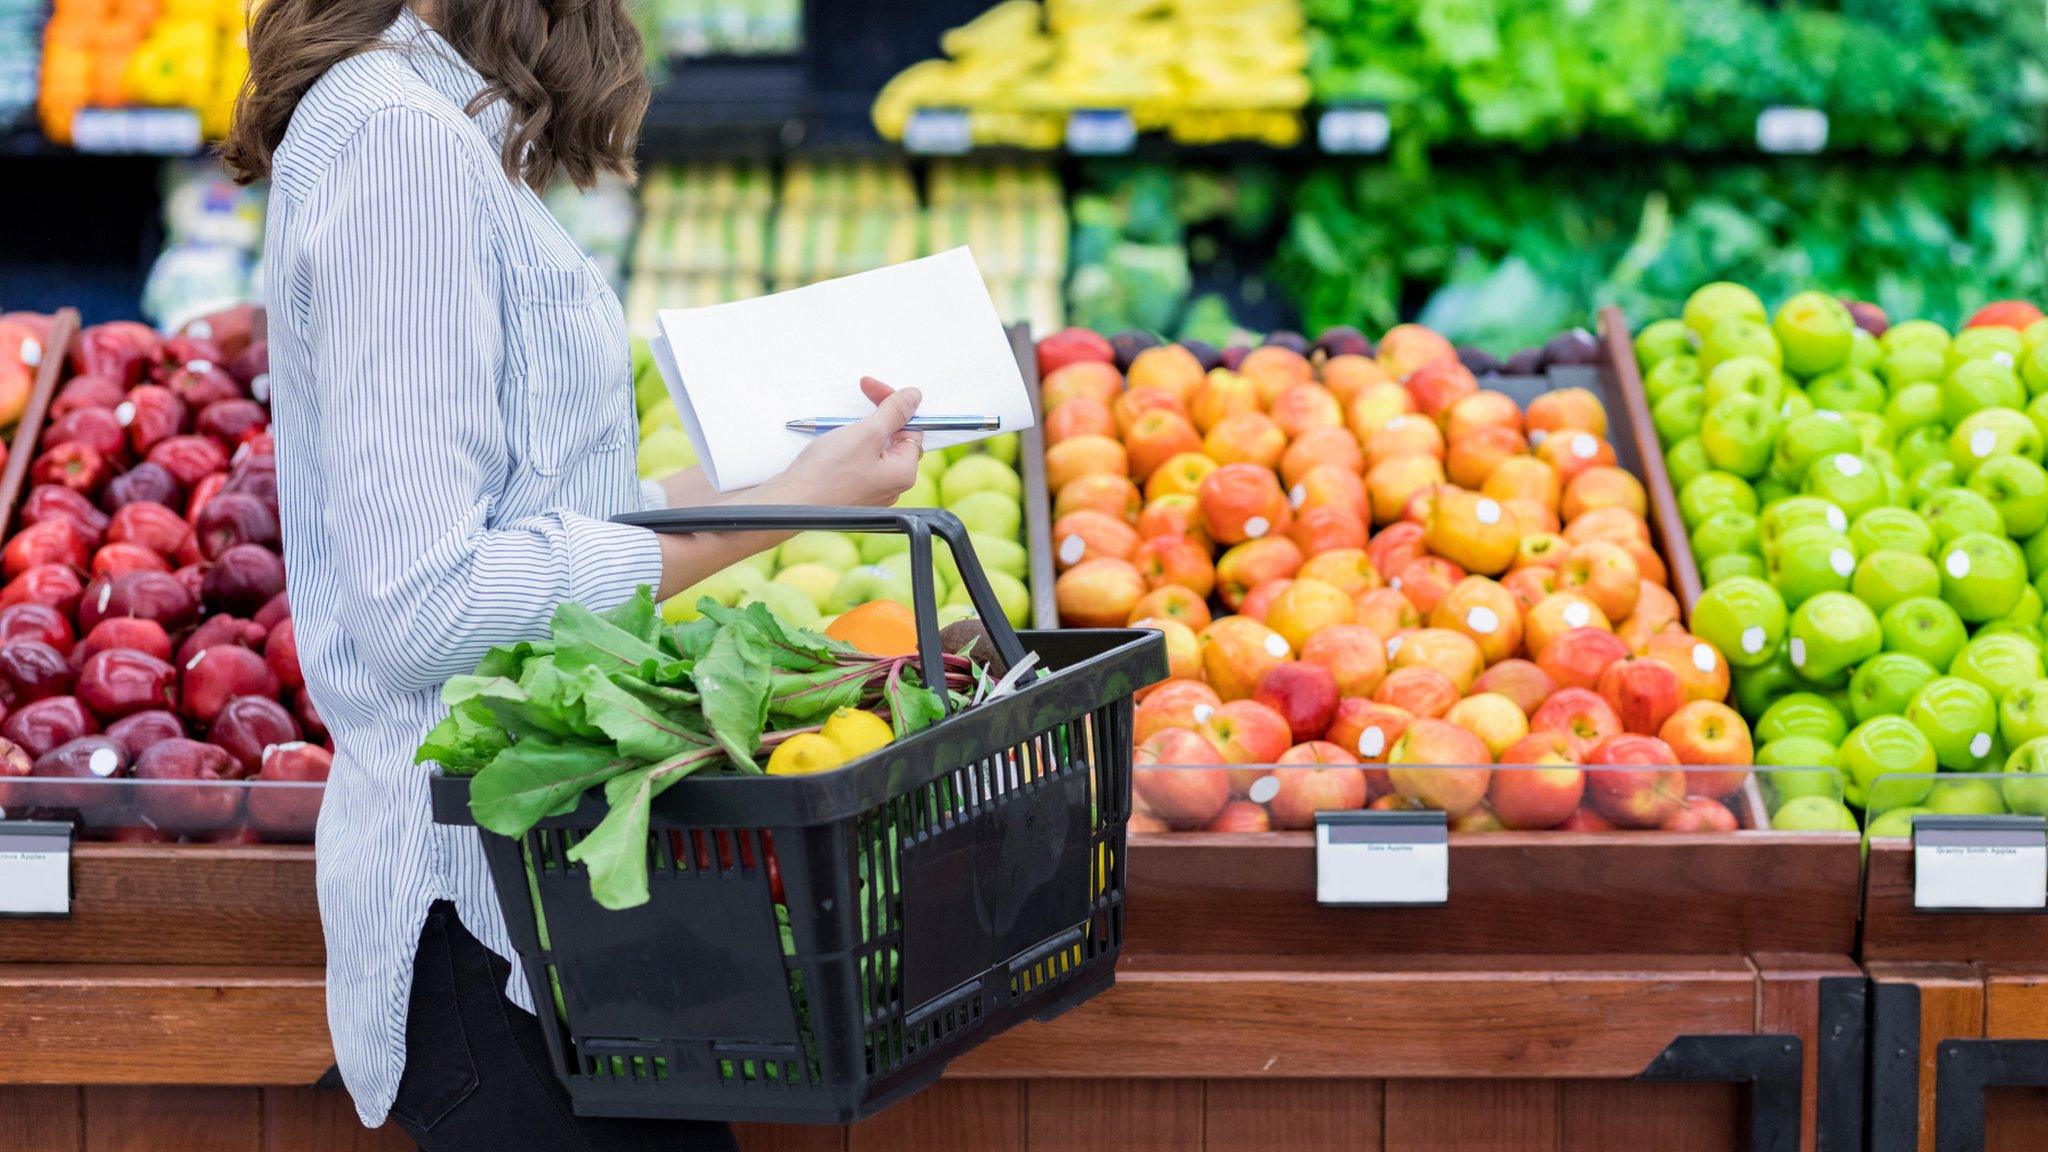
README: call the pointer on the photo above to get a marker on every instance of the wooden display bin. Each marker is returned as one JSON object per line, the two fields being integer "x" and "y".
{"x": 1959, "y": 1019}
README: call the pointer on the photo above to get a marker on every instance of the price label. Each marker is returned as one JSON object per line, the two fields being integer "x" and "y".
{"x": 1792, "y": 131}
{"x": 1980, "y": 863}
{"x": 1382, "y": 859}
{"x": 136, "y": 131}
{"x": 1360, "y": 130}
{"x": 1101, "y": 132}
{"x": 35, "y": 868}
{"x": 938, "y": 132}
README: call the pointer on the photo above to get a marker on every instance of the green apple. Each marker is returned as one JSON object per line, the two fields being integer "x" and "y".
{"x": 1887, "y": 576}
{"x": 661, "y": 414}
{"x": 1999, "y": 662}
{"x": 1661, "y": 340}
{"x": 1987, "y": 342}
{"x": 2025, "y": 789}
{"x": 1897, "y": 823}
{"x": 1723, "y": 532}
{"x": 2025, "y": 616}
{"x": 922, "y": 493}
{"x": 834, "y": 550}
{"x": 2018, "y": 488}
{"x": 2035, "y": 334}
{"x": 1770, "y": 488}
{"x": 1816, "y": 332}
{"x": 1830, "y": 634}
{"x": 1729, "y": 565}
{"x": 1807, "y": 438}
{"x": 1915, "y": 333}
{"x": 815, "y": 581}
{"x": 1782, "y": 516}
{"x": 1713, "y": 492}
{"x": 1744, "y": 618}
{"x": 762, "y": 564}
{"x": 1914, "y": 406}
{"x": 1991, "y": 433}
{"x": 665, "y": 452}
{"x": 1796, "y": 752}
{"x": 2023, "y": 714}
{"x": 1982, "y": 575}
{"x": 1975, "y": 385}
{"x": 1745, "y": 376}
{"x": 1957, "y": 512}
{"x": 1886, "y": 683}
{"x": 1738, "y": 337}
{"x": 1010, "y": 593}
{"x": 2034, "y": 368}
{"x": 1802, "y": 714}
{"x": 1670, "y": 375}
{"x": 2036, "y": 552}
{"x": 1805, "y": 562}
{"x": 1891, "y": 529}
{"x": 1738, "y": 432}
{"x": 1756, "y": 686}
{"x": 1005, "y": 447}
{"x": 1933, "y": 477}
{"x": 932, "y": 465}
{"x": 1864, "y": 350}
{"x": 870, "y": 582}
{"x": 1959, "y": 718}
{"x": 1678, "y": 414}
{"x": 1876, "y": 439}
{"x": 1795, "y": 403}
{"x": 1881, "y": 747}
{"x": 1710, "y": 304}
{"x": 950, "y": 614}
{"x": 789, "y": 604}
{"x": 1848, "y": 390}
{"x": 954, "y": 453}
{"x": 1927, "y": 628}
{"x": 876, "y": 547}
{"x": 1903, "y": 367}
{"x": 724, "y": 586}
{"x": 1965, "y": 798}
{"x": 899, "y": 564}
{"x": 989, "y": 513}
{"x": 998, "y": 553}
{"x": 1813, "y": 814}
{"x": 1685, "y": 460}
{"x": 1848, "y": 481}
{"x": 979, "y": 473}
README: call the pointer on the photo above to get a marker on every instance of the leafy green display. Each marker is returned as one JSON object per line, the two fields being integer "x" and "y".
{"x": 618, "y": 700}
{"x": 1968, "y": 76}
{"x": 1505, "y": 253}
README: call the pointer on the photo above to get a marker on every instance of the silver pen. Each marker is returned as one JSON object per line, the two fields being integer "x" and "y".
{"x": 917, "y": 423}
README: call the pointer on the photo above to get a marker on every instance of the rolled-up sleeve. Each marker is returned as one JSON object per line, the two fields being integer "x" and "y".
{"x": 407, "y": 341}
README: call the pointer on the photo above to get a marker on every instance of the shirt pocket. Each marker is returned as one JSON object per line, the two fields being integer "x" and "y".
{"x": 571, "y": 367}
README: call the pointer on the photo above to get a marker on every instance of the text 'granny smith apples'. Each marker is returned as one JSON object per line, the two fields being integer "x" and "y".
{"x": 814, "y": 576}
{"x": 1867, "y": 505}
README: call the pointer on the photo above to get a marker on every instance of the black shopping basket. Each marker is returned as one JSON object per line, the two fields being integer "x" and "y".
{"x": 934, "y": 893}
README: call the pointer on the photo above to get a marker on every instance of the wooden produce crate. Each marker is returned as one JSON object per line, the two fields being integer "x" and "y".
{"x": 21, "y": 450}
{"x": 1618, "y": 367}
{"x": 1959, "y": 1019}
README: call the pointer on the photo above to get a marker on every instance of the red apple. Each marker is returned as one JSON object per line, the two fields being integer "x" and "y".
{"x": 1643, "y": 693}
{"x": 1577, "y": 711}
{"x": 1531, "y": 798}
{"x": 149, "y": 595}
{"x": 1299, "y": 793}
{"x": 46, "y": 723}
{"x": 1634, "y": 780}
{"x": 1586, "y": 820}
{"x": 1305, "y": 695}
{"x": 219, "y": 674}
{"x": 1184, "y": 797}
{"x": 202, "y": 806}
{"x": 1518, "y": 680}
{"x": 157, "y": 528}
{"x": 1578, "y": 657}
{"x": 29, "y": 620}
{"x": 51, "y": 584}
{"x": 232, "y": 421}
{"x": 1701, "y": 814}
{"x": 281, "y": 652}
{"x": 53, "y": 541}
{"x": 291, "y": 812}
{"x": 219, "y": 630}
{"x": 1240, "y": 816}
{"x": 50, "y": 501}
{"x": 1706, "y": 733}
{"x": 152, "y": 414}
{"x": 248, "y": 726}
{"x": 136, "y": 732}
{"x": 1435, "y": 762}
{"x": 87, "y": 391}
{"x": 95, "y": 428}
{"x": 145, "y": 483}
{"x": 189, "y": 459}
{"x": 243, "y": 578}
{"x": 75, "y": 466}
{"x": 31, "y": 670}
{"x": 121, "y": 681}
{"x": 278, "y": 609}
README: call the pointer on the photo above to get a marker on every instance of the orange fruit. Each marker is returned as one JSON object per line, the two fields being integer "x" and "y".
{"x": 878, "y": 628}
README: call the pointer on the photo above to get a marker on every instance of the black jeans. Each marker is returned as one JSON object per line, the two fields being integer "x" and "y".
{"x": 477, "y": 1075}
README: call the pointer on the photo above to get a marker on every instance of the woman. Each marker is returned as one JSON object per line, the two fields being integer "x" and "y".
{"x": 452, "y": 397}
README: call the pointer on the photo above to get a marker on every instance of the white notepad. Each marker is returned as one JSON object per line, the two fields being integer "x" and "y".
{"x": 738, "y": 372}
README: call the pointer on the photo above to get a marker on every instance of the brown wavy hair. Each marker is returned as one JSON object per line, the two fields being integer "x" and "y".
{"x": 570, "y": 71}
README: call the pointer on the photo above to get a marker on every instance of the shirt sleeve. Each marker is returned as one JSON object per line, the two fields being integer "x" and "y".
{"x": 652, "y": 498}
{"x": 407, "y": 340}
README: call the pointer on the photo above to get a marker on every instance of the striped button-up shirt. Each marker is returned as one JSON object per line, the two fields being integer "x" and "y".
{"x": 453, "y": 403}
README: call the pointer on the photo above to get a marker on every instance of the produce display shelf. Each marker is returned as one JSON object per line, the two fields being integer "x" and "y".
{"x": 1618, "y": 365}
{"x": 21, "y": 450}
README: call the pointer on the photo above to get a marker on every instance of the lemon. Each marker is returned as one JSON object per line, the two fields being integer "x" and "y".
{"x": 857, "y": 733}
{"x": 801, "y": 755}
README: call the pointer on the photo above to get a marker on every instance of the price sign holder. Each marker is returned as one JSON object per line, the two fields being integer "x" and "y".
{"x": 1101, "y": 132}
{"x": 939, "y": 132}
{"x": 1980, "y": 863}
{"x": 137, "y": 131}
{"x": 1382, "y": 859}
{"x": 35, "y": 869}
{"x": 1353, "y": 130}
{"x": 1792, "y": 131}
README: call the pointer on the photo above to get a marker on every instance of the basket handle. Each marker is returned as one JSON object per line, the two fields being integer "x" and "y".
{"x": 920, "y": 524}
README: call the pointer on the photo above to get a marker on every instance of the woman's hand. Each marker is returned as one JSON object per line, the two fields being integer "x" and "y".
{"x": 868, "y": 464}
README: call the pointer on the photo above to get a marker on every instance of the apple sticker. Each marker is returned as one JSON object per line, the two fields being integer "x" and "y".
{"x": 1958, "y": 564}
{"x": 1487, "y": 511}
{"x": 1297, "y": 495}
{"x": 1372, "y": 742}
{"x": 1256, "y": 527}
{"x": 1393, "y": 646}
{"x": 1263, "y": 789}
{"x": 1980, "y": 744}
{"x": 1585, "y": 447}
{"x": 1849, "y": 466}
{"x": 1072, "y": 549}
{"x": 1203, "y": 712}
{"x": 1577, "y": 615}
{"x": 1842, "y": 562}
{"x": 1482, "y": 620}
{"x": 1703, "y": 656}
{"x": 1837, "y": 519}
{"x": 1752, "y": 639}
{"x": 103, "y": 762}
{"x": 1276, "y": 646}
{"x": 1798, "y": 652}
{"x": 1982, "y": 441}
